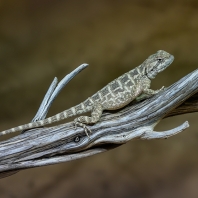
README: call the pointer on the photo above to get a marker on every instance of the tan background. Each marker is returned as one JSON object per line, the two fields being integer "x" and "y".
{"x": 40, "y": 39}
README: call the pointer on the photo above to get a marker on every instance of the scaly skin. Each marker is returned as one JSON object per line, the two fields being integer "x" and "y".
{"x": 134, "y": 84}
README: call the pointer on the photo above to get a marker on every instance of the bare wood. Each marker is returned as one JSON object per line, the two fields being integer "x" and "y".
{"x": 189, "y": 106}
{"x": 45, "y": 146}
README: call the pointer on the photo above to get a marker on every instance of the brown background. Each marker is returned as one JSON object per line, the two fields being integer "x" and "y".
{"x": 40, "y": 39}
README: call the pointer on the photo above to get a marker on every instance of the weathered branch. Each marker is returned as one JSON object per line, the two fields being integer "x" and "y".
{"x": 44, "y": 146}
{"x": 188, "y": 106}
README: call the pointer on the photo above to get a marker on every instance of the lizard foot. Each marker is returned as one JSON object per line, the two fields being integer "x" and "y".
{"x": 84, "y": 126}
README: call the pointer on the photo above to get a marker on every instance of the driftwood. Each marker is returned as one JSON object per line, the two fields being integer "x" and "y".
{"x": 51, "y": 145}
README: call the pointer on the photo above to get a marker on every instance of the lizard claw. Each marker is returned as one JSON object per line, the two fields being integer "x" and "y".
{"x": 162, "y": 89}
{"x": 159, "y": 90}
{"x": 75, "y": 125}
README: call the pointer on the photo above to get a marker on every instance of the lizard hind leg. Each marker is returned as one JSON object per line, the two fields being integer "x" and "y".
{"x": 82, "y": 121}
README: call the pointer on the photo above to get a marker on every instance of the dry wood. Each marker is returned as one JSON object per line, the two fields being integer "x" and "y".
{"x": 62, "y": 143}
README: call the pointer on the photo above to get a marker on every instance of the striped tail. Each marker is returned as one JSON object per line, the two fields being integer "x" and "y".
{"x": 76, "y": 110}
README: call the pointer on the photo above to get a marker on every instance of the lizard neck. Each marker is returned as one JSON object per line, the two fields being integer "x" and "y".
{"x": 138, "y": 72}
{"x": 143, "y": 72}
{"x": 142, "y": 69}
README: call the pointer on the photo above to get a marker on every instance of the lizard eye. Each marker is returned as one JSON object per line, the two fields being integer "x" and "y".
{"x": 159, "y": 59}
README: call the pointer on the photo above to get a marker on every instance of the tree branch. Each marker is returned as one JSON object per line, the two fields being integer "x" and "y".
{"x": 51, "y": 145}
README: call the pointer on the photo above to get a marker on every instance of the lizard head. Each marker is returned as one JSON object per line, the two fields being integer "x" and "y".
{"x": 157, "y": 62}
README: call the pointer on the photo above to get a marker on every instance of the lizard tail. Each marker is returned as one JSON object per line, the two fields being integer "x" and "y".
{"x": 73, "y": 111}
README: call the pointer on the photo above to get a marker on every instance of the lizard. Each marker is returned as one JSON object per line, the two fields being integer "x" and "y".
{"x": 115, "y": 95}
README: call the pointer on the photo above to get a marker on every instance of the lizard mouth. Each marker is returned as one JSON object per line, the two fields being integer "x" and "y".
{"x": 152, "y": 74}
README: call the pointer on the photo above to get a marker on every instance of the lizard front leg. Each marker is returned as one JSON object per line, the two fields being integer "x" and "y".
{"x": 148, "y": 93}
{"x": 82, "y": 121}
{"x": 151, "y": 92}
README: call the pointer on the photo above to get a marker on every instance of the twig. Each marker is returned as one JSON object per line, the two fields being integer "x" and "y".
{"x": 53, "y": 92}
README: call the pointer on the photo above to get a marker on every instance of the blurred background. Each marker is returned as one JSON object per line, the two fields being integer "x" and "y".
{"x": 41, "y": 39}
